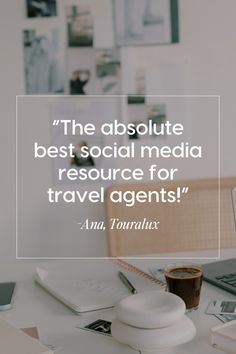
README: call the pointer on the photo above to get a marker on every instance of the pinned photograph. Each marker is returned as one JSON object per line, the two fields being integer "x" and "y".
{"x": 41, "y": 8}
{"x": 81, "y": 159}
{"x": 140, "y": 112}
{"x": 78, "y": 82}
{"x": 140, "y": 81}
{"x": 145, "y": 22}
{"x": 43, "y": 62}
{"x": 81, "y": 153}
{"x": 79, "y": 26}
{"x": 78, "y": 160}
{"x": 136, "y": 99}
{"x": 85, "y": 148}
{"x": 136, "y": 112}
{"x": 81, "y": 66}
{"x": 156, "y": 113}
{"x": 108, "y": 70}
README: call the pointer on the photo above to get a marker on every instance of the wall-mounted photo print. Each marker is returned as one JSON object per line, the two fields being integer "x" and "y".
{"x": 146, "y": 22}
{"x": 81, "y": 158}
{"x": 136, "y": 112}
{"x": 41, "y": 8}
{"x": 78, "y": 160}
{"x": 78, "y": 82}
{"x": 80, "y": 26}
{"x": 93, "y": 71}
{"x": 140, "y": 81}
{"x": 140, "y": 112}
{"x": 108, "y": 69}
{"x": 136, "y": 99}
{"x": 81, "y": 66}
{"x": 43, "y": 62}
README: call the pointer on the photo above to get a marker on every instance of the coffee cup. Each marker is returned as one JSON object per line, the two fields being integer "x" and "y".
{"x": 185, "y": 280}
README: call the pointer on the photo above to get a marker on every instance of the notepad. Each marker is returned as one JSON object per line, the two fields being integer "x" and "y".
{"x": 13, "y": 340}
{"x": 93, "y": 286}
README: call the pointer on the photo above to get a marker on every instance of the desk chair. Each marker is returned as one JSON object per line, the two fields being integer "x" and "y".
{"x": 191, "y": 225}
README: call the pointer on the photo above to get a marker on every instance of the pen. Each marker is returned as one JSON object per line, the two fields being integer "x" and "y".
{"x": 127, "y": 283}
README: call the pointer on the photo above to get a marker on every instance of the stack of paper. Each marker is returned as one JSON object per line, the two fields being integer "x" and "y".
{"x": 224, "y": 337}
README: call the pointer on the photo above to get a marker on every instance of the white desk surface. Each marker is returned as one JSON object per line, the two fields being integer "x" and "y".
{"x": 56, "y": 323}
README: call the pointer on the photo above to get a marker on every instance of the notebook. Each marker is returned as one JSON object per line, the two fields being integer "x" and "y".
{"x": 13, "y": 340}
{"x": 93, "y": 285}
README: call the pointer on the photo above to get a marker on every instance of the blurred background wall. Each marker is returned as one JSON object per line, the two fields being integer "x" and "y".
{"x": 207, "y": 51}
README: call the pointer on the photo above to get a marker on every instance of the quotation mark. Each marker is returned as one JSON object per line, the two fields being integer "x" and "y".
{"x": 180, "y": 191}
{"x": 184, "y": 190}
{"x": 56, "y": 122}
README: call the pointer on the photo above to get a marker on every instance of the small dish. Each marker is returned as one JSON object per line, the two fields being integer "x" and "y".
{"x": 151, "y": 340}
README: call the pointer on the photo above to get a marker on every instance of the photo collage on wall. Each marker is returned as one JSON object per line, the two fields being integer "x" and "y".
{"x": 75, "y": 48}
{"x": 91, "y": 70}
